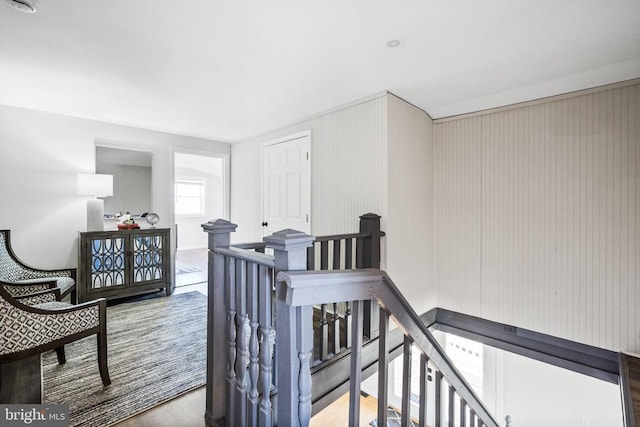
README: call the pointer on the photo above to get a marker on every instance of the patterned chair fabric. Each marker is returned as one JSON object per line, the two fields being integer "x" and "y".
{"x": 20, "y": 279}
{"x": 48, "y": 324}
{"x": 41, "y": 297}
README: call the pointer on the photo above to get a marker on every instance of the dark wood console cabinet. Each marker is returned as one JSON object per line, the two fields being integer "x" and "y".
{"x": 115, "y": 264}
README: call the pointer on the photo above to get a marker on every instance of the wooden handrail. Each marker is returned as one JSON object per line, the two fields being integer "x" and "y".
{"x": 305, "y": 288}
{"x": 257, "y": 246}
{"x": 341, "y": 237}
{"x": 247, "y": 255}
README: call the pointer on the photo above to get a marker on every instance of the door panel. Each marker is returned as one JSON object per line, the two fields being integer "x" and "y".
{"x": 287, "y": 185}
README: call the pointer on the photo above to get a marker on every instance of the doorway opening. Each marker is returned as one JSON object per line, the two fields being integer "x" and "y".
{"x": 199, "y": 196}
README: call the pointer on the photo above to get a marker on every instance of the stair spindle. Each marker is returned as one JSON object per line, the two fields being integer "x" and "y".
{"x": 254, "y": 345}
{"x": 422, "y": 416}
{"x": 336, "y": 329}
{"x": 406, "y": 381}
{"x": 324, "y": 333}
{"x": 336, "y": 254}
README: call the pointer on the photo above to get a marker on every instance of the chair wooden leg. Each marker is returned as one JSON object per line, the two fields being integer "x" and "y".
{"x": 62, "y": 358}
{"x": 102, "y": 358}
{"x": 74, "y": 297}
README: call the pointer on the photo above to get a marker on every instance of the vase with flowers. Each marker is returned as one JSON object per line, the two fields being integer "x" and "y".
{"x": 126, "y": 222}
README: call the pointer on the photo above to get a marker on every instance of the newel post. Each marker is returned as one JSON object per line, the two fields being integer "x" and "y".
{"x": 370, "y": 258}
{"x": 219, "y": 236}
{"x": 294, "y": 333}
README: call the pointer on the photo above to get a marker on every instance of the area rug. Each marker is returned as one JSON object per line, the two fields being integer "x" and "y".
{"x": 156, "y": 351}
{"x": 186, "y": 269}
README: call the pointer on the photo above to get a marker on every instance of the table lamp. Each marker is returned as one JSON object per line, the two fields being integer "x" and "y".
{"x": 96, "y": 185}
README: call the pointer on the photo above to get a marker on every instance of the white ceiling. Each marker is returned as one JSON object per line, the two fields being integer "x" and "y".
{"x": 229, "y": 70}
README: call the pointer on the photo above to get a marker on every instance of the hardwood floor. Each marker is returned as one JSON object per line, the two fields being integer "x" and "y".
{"x": 188, "y": 411}
{"x": 184, "y": 411}
{"x": 337, "y": 414}
{"x": 191, "y": 266}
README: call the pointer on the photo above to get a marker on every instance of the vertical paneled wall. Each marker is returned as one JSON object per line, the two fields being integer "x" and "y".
{"x": 537, "y": 216}
{"x": 348, "y": 170}
{"x": 458, "y": 191}
{"x": 409, "y": 240}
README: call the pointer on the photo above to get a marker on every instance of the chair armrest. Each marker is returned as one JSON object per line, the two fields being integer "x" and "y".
{"x": 42, "y": 273}
{"x": 50, "y": 295}
{"x": 17, "y": 289}
{"x": 100, "y": 302}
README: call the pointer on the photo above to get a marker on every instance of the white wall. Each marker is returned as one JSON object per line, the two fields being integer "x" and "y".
{"x": 348, "y": 171}
{"x": 536, "y": 216}
{"x": 410, "y": 213}
{"x": 41, "y": 154}
{"x": 538, "y": 394}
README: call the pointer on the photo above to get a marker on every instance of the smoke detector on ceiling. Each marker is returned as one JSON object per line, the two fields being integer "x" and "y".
{"x": 27, "y": 6}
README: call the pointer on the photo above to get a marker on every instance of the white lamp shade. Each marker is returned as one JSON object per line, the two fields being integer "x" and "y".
{"x": 92, "y": 184}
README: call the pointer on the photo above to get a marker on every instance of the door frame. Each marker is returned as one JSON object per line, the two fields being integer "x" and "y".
{"x": 226, "y": 175}
{"x": 226, "y": 188}
{"x": 290, "y": 137}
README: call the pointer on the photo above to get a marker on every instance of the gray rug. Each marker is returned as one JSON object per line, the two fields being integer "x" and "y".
{"x": 156, "y": 351}
{"x": 185, "y": 269}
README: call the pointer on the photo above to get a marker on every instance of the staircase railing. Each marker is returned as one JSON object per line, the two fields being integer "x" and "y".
{"x": 352, "y": 310}
{"x": 297, "y": 292}
{"x": 242, "y": 381}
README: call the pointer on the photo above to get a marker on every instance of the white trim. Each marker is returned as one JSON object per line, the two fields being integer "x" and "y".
{"x": 280, "y": 140}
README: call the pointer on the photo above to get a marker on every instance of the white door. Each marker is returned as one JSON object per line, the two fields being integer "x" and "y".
{"x": 286, "y": 178}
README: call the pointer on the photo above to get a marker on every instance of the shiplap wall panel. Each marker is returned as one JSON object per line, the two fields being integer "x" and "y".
{"x": 410, "y": 239}
{"x": 348, "y": 170}
{"x": 559, "y": 228}
{"x": 348, "y": 167}
{"x": 458, "y": 215}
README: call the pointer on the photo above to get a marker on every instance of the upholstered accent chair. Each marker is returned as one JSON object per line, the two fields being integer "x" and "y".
{"x": 21, "y": 279}
{"x": 38, "y": 322}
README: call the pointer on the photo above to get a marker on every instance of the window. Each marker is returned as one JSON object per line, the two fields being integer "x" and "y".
{"x": 189, "y": 197}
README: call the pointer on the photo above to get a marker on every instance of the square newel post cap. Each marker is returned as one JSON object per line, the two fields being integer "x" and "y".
{"x": 286, "y": 240}
{"x": 370, "y": 216}
{"x": 219, "y": 226}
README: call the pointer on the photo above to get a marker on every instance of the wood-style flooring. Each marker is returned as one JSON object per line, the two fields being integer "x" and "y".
{"x": 188, "y": 411}
{"x": 192, "y": 259}
{"x": 337, "y": 414}
{"x": 184, "y": 411}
